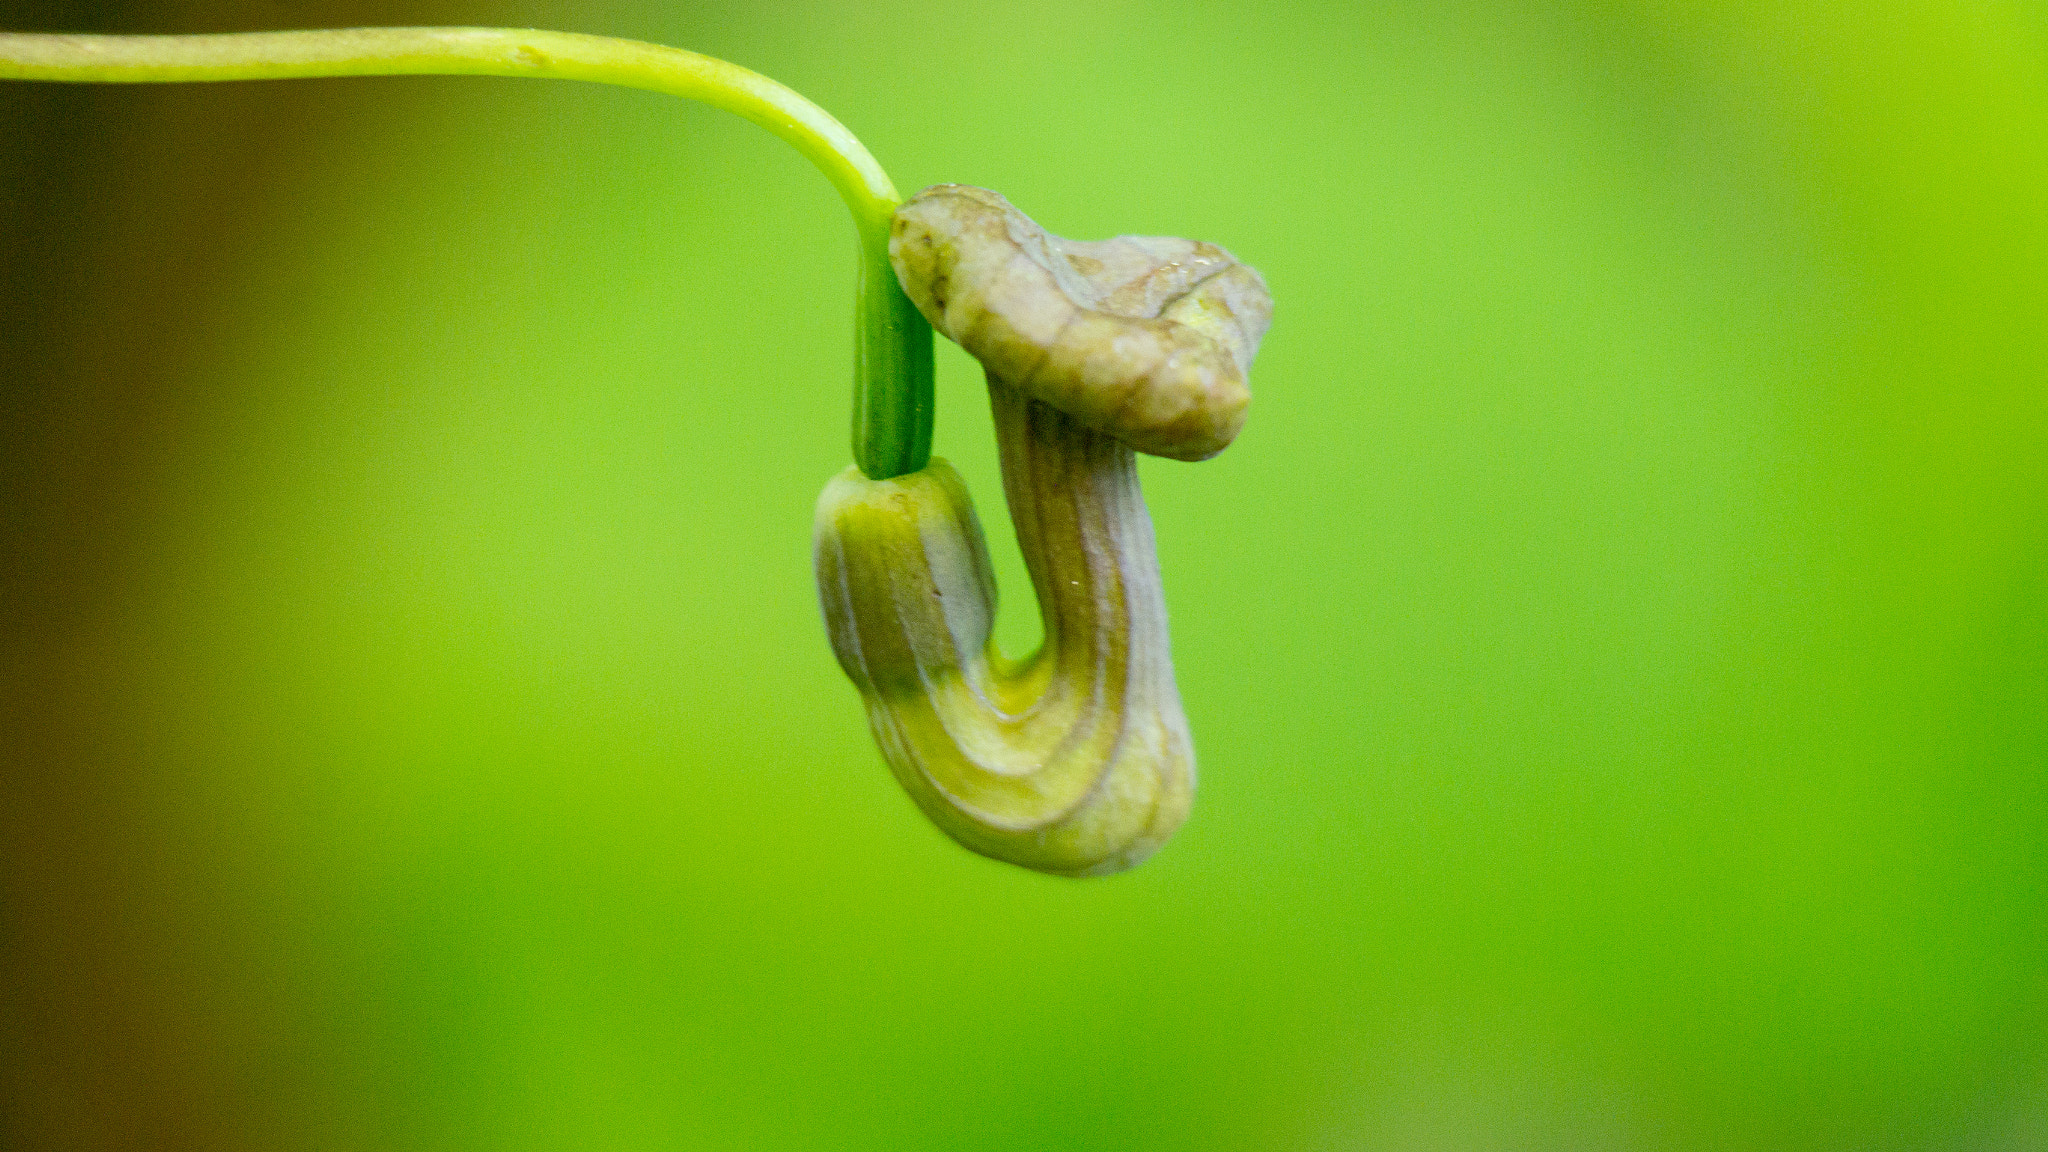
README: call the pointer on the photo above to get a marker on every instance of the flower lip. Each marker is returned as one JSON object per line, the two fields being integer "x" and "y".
{"x": 1144, "y": 338}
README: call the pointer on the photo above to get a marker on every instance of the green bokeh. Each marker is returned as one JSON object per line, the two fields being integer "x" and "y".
{"x": 1617, "y": 648}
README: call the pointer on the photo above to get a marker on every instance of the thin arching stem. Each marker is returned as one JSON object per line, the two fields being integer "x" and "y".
{"x": 893, "y": 352}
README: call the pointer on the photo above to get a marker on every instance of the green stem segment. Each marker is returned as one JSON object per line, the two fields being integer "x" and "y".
{"x": 892, "y": 407}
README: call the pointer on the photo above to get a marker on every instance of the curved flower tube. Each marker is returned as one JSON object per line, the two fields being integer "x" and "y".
{"x": 1077, "y": 760}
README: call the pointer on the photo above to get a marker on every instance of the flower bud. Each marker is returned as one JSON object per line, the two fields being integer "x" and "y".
{"x": 1144, "y": 338}
{"x": 1076, "y": 760}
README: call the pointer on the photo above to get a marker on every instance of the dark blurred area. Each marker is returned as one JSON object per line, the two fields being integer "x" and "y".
{"x": 118, "y": 208}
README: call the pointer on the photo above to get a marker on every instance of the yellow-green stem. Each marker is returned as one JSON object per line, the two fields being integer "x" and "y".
{"x": 892, "y": 355}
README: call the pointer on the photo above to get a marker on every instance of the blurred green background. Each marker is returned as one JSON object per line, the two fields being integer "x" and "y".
{"x": 1617, "y": 648}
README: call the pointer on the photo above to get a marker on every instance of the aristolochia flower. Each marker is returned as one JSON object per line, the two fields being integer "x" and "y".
{"x": 1075, "y": 760}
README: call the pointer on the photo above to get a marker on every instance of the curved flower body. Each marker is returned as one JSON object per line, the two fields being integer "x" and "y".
{"x": 1076, "y": 760}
